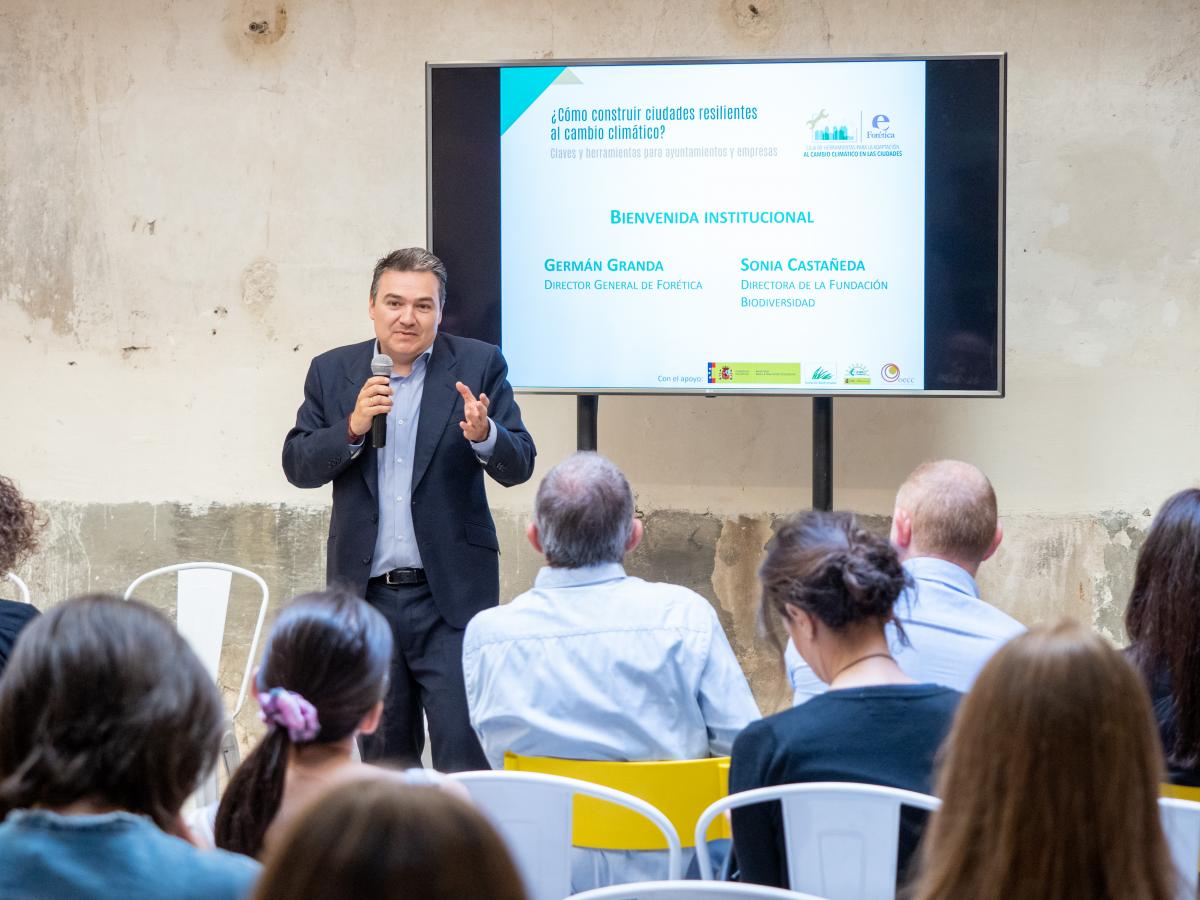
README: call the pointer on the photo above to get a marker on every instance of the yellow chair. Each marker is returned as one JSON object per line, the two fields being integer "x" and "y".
{"x": 1179, "y": 792}
{"x": 681, "y": 789}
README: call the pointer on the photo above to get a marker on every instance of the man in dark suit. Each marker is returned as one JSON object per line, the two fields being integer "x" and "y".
{"x": 411, "y": 529}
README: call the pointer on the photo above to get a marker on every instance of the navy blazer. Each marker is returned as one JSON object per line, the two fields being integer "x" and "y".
{"x": 454, "y": 528}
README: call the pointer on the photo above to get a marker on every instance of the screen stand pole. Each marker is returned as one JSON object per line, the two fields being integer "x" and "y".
{"x": 587, "y": 409}
{"x": 822, "y": 453}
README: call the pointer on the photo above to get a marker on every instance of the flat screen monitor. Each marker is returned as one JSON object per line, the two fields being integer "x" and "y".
{"x": 782, "y": 226}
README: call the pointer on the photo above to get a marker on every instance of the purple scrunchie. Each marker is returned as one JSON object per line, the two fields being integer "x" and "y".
{"x": 287, "y": 709}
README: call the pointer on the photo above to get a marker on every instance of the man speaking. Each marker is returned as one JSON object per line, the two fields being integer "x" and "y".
{"x": 411, "y": 529}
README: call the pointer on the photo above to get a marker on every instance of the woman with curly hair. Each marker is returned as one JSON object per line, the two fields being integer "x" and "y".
{"x": 20, "y": 524}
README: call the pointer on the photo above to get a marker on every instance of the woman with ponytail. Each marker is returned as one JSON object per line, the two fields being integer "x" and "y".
{"x": 321, "y": 684}
{"x": 834, "y": 584}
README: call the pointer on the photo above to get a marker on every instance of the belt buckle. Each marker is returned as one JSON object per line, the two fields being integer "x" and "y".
{"x": 389, "y": 580}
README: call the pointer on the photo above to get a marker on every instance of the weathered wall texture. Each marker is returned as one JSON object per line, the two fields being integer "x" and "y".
{"x": 192, "y": 193}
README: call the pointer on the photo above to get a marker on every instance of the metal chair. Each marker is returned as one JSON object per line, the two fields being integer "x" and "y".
{"x": 22, "y": 587}
{"x": 841, "y": 838}
{"x": 1181, "y": 825}
{"x": 688, "y": 890}
{"x": 201, "y": 604}
{"x": 534, "y": 813}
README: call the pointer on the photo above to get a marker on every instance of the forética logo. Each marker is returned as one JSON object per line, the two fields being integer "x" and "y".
{"x": 890, "y": 372}
{"x": 881, "y": 127}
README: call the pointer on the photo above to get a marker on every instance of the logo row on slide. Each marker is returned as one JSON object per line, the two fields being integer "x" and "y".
{"x": 820, "y": 374}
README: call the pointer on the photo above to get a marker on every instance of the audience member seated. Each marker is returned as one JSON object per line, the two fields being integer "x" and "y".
{"x": 1163, "y": 623}
{"x": 594, "y": 664}
{"x": 380, "y": 839}
{"x": 107, "y": 723}
{"x": 321, "y": 684}
{"x": 1050, "y": 779}
{"x": 19, "y": 527}
{"x": 835, "y": 585}
{"x": 943, "y": 526}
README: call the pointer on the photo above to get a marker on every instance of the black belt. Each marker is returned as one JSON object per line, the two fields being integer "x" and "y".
{"x": 401, "y": 576}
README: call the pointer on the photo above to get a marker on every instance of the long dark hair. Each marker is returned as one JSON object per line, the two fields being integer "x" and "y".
{"x": 827, "y": 564}
{"x": 335, "y": 651}
{"x": 379, "y": 839}
{"x": 103, "y": 699}
{"x": 1163, "y": 617}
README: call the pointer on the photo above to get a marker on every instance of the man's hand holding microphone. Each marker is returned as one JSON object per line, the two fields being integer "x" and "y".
{"x": 375, "y": 402}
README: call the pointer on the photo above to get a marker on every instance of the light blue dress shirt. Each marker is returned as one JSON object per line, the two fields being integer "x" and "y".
{"x": 396, "y": 540}
{"x": 594, "y": 664}
{"x": 951, "y": 632}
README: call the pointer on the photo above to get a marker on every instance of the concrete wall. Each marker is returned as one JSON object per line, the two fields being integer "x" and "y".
{"x": 192, "y": 194}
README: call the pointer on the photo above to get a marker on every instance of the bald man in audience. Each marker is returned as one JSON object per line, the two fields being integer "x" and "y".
{"x": 943, "y": 527}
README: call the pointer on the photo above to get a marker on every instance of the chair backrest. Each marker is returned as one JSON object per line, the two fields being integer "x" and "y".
{"x": 1181, "y": 825}
{"x": 679, "y": 789}
{"x": 22, "y": 587}
{"x": 688, "y": 890}
{"x": 201, "y": 604}
{"x": 841, "y": 838}
{"x": 533, "y": 813}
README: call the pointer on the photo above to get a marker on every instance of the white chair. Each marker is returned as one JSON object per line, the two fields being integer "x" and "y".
{"x": 533, "y": 813}
{"x": 201, "y": 604}
{"x": 688, "y": 890}
{"x": 841, "y": 839}
{"x": 1181, "y": 825}
{"x": 22, "y": 587}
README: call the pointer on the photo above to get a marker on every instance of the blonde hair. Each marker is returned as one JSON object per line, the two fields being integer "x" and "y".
{"x": 953, "y": 509}
{"x": 1050, "y": 780}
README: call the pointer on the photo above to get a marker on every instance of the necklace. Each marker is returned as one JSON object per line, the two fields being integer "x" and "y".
{"x": 854, "y": 663}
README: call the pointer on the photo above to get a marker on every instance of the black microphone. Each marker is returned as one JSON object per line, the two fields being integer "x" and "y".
{"x": 381, "y": 364}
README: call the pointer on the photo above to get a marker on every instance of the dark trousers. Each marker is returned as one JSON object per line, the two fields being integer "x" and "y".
{"x": 427, "y": 677}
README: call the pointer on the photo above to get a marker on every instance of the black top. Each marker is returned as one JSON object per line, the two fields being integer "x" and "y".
{"x": 885, "y": 734}
{"x": 13, "y": 617}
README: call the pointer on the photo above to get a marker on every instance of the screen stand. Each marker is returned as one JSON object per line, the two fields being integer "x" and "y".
{"x": 587, "y": 408}
{"x": 822, "y": 453}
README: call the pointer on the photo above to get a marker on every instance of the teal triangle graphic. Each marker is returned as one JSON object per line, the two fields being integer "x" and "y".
{"x": 519, "y": 87}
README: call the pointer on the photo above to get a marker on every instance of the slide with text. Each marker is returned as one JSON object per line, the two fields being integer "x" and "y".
{"x": 714, "y": 226}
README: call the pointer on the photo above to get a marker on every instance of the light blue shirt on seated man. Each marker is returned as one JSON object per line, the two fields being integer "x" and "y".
{"x": 594, "y": 664}
{"x": 396, "y": 541}
{"x": 950, "y": 630}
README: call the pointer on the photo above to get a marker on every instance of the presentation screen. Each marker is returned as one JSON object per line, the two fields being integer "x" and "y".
{"x": 723, "y": 226}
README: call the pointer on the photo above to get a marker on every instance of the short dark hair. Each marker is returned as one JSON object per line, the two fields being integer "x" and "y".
{"x": 411, "y": 259}
{"x": 1163, "y": 617}
{"x": 335, "y": 651}
{"x": 103, "y": 698}
{"x": 20, "y": 524}
{"x": 828, "y": 565}
{"x": 584, "y": 512}
{"x": 377, "y": 838}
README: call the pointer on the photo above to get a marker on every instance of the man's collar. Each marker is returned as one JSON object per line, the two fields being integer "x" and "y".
{"x": 552, "y": 577}
{"x": 930, "y": 568}
{"x": 424, "y": 356}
